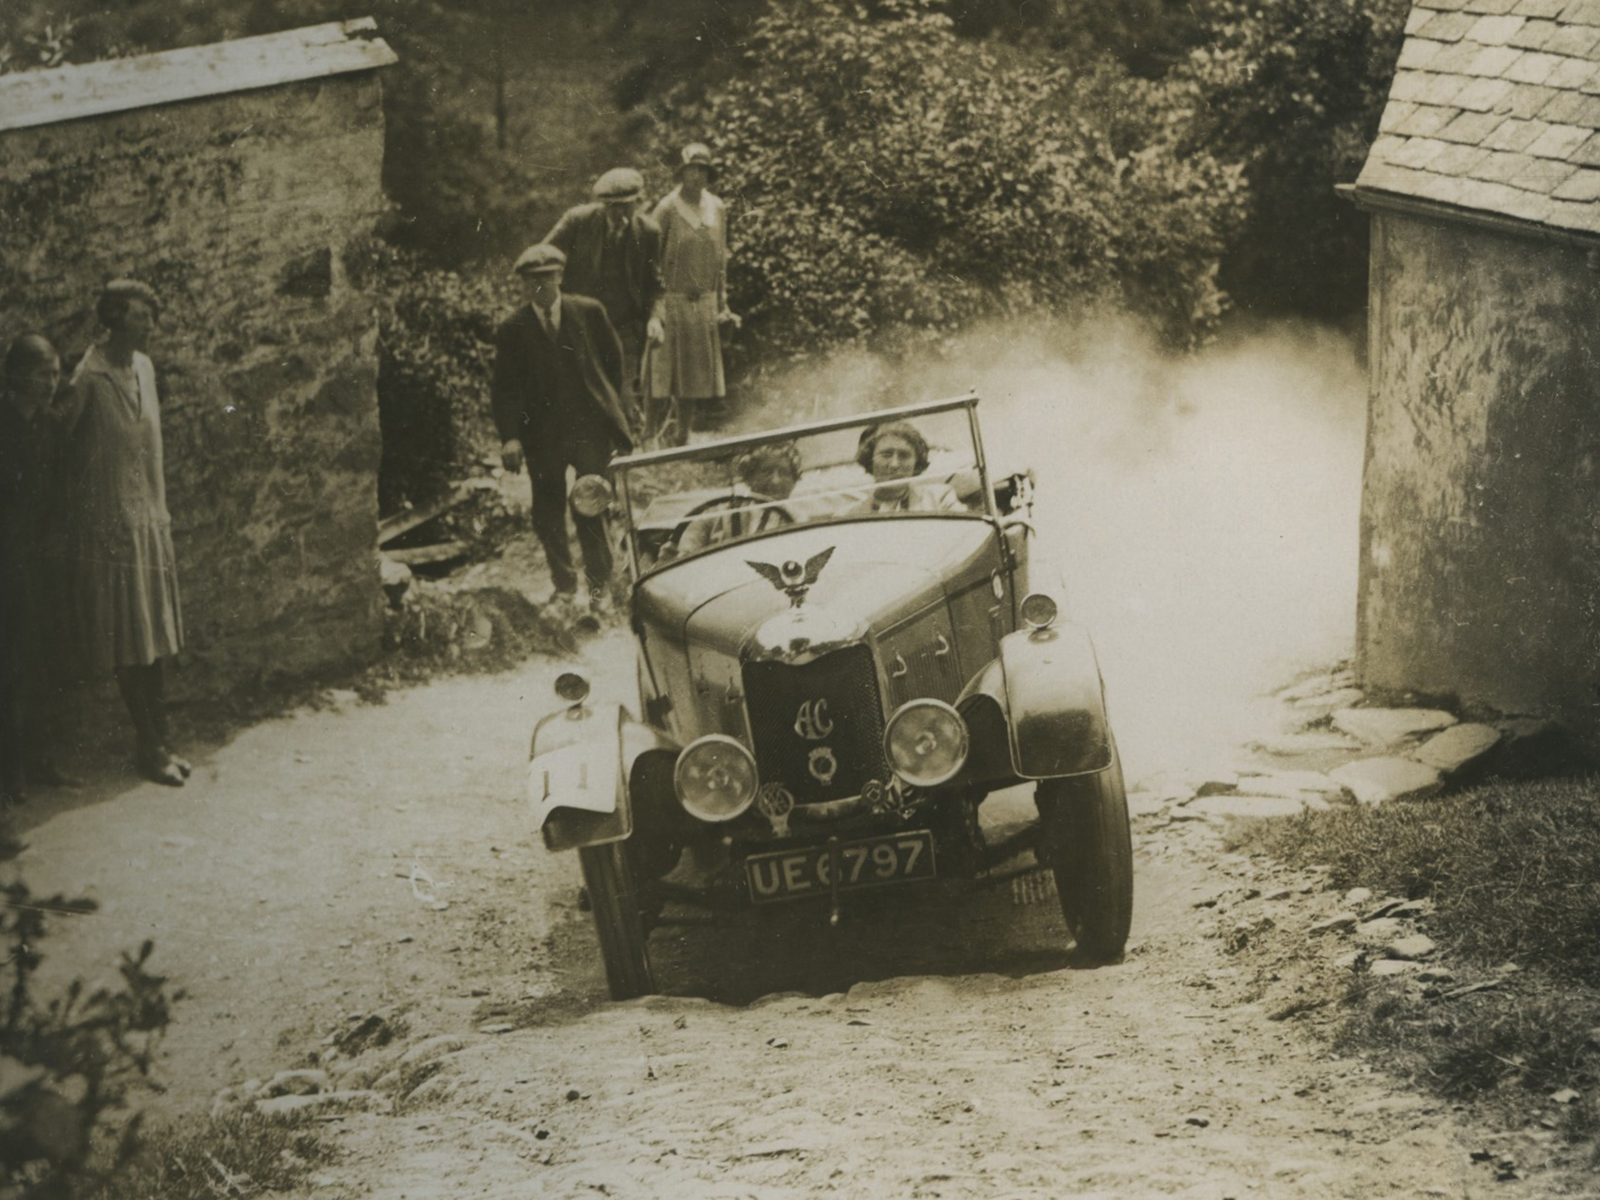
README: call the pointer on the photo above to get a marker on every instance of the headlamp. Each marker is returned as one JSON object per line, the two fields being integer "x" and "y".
{"x": 572, "y": 687}
{"x": 715, "y": 778}
{"x": 925, "y": 742}
{"x": 591, "y": 495}
{"x": 1038, "y": 611}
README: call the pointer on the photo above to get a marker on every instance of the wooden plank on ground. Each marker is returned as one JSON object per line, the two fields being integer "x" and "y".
{"x": 420, "y": 555}
{"x": 405, "y": 521}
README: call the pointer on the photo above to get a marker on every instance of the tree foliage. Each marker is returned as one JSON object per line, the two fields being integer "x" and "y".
{"x": 1146, "y": 36}
{"x": 435, "y": 335}
{"x": 1290, "y": 89}
{"x": 888, "y": 173}
{"x": 67, "y": 1063}
{"x": 1294, "y": 90}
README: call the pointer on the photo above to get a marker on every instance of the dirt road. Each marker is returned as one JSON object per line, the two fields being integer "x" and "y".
{"x": 360, "y": 860}
{"x": 941, "y": 1043}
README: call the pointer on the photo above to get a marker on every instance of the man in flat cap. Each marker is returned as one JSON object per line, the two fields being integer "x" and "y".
{"x": 613, "y": 253}
{"x": 558, "y": 402}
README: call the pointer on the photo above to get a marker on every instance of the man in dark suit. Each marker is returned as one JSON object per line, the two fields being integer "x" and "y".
{"x": 613, "y": 255}
{"x": 558, "y": 402}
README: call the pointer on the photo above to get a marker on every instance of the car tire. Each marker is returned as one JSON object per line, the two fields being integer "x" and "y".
{"x": 1089, "y": 847}
{"x": 618, "y": 922}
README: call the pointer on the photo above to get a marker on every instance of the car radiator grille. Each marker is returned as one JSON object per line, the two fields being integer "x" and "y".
{"x": 818, "y": 726}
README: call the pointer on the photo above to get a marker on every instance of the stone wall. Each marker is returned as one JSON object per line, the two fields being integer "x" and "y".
{"x": 1480, "y": 537}
{"x": 238, "y": 209}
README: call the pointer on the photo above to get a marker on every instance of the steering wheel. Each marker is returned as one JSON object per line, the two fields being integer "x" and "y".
{"x": 735, "y": 500}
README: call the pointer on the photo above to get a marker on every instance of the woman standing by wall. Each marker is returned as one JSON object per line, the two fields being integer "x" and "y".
{"x": 686, "y": 367}
{"x": 121, "y": 569}
{"x": 30, "y": 675}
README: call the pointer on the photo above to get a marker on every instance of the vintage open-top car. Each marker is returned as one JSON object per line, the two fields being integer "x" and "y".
{"x": 839, "y": 659}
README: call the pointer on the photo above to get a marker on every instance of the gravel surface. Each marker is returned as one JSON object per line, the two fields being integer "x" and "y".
{"x": 374, "y": 859}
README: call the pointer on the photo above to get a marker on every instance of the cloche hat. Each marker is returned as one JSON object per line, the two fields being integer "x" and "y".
{"x": 697, "y": 154}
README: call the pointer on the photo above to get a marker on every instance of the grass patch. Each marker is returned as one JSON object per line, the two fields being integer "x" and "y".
{"x": 1513, "y": 870}
{"x": 233, "y": 1156}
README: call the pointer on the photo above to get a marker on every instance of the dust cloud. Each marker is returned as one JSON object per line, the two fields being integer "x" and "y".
{"x": 1198, "y": 515}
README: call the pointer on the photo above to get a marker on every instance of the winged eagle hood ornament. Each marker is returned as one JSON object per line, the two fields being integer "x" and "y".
{"x": 792, "y": 579}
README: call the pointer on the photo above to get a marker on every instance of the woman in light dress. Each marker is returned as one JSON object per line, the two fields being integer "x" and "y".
{"x": 686, "y": 368}
{"x": 121, "y": 569}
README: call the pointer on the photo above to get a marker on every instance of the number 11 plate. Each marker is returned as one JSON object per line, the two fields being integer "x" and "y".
{"x": 866, "y": 862}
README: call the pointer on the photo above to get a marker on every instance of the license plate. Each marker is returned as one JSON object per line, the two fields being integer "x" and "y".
{"x": 866, "y": 862}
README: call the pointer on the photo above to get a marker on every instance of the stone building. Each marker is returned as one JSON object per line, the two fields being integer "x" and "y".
{"x": 1480, "y": 528}
{"x": 234, "y": 178}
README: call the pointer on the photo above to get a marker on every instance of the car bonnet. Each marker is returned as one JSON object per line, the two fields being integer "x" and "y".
{"x": 878, "y": 568}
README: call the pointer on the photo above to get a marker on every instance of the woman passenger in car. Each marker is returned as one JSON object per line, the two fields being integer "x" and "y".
{"x": 895, "y": 454}
{"x": 766, "y": 473}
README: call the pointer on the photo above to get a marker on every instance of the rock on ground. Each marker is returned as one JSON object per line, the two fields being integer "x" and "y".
{"x": 1338, "y": 923}
{"x": 1393, "y": 966}
{"x": 1416, "y": 946}
{"x": 1386, "y": 726}
{"x": 1376, "y": 933}
{"x": 297, "y": 1083}
{"x": 1306, "y": 741}
{"x": 322, "y": 1102}
{"x": 1457, "y": 747}
{"x": 1258, "y": 806}
{"x": 1317, "y": 685}
{"x": 1292, "y": 784}
{"x": 1343, "y": 698}
{"x": 1379, "y": 780}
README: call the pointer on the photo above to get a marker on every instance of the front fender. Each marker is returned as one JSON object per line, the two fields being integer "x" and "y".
{"x": 580, "y": 774}
{"x": 1046, "y": 685}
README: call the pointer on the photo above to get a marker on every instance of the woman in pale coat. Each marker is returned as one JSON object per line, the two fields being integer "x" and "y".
{"x": 686, "y": 368}
{"x": 121, "y": 569}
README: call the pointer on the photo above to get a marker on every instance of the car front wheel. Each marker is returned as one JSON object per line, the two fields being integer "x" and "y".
{"x": 618, "y": 922}
{"x": 1084, "y": 823}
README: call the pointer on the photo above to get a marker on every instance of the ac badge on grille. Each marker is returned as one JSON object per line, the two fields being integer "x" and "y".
{"x": 823, "y": 765}
{"x": 811, "y": 720}
{"x": 792, "y": 579}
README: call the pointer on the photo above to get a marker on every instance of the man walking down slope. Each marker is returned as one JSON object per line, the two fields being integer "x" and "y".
{"x": 613, "y": 253}
{"x": 559, "y": 402}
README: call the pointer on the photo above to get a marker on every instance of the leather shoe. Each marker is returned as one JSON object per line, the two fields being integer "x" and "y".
{"x": 157, "y": 767}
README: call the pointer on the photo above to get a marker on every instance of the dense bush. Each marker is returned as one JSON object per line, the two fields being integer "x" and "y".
{"x": 888, "y": 173}
{"x": 1290, "y": 89}
{"x": 1147, "y": 36}
{"x": 1294, "y": 89}
{"x": 434, "y": 356}
{"x": 67, "y": 1062}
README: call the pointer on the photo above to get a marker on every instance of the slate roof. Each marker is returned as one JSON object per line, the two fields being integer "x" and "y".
{"x": 1496, "y": 107}
{"x": 29, "y": 98}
